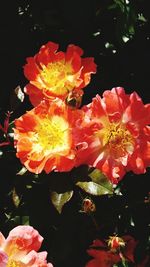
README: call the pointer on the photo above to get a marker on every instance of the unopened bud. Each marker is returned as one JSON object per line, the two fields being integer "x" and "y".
{"x": 115, "y": 242}
{"x": 88, "y": 206}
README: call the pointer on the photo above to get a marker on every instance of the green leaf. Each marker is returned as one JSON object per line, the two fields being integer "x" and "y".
{"x": 99, "y": 178}
{"x": 120, "y": 4}
{"x": 124, "y": 262}
{"x": 142, "y": 18}
{"x": 112, "y": 6}
{"x": 16, "y": 220}
{"x": 25, "y": 220}
{"x": 59, "y": 200}
{"x": 22, "y": 171}
{"x": 131, "y": 29}
{"x": 94, "y": 188}
{"x": 16, "y": 199}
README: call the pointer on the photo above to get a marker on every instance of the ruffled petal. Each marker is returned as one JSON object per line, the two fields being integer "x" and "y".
{"x": 35, "y": 95}
{"x": 53, "y": 73}
{"x": 45, "y": 137}
{"x": 25, "y": 238}
{"x": 120, "y": 141}
{"x": 31, "y": 70}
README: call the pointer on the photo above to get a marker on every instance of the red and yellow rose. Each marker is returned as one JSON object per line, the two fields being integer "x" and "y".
{"x": 120, "y": 141}
{"x": 56, "y": 74}
{"x": 45, "y": 137}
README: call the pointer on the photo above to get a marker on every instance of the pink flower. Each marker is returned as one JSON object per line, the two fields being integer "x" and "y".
{"x": 20, "y": 248}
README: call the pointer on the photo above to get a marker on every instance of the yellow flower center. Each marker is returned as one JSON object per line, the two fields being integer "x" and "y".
{"x": 117, "y": 139}
{"x": 53, "y": 135}
{"x": 12, "y": 263}
{"x": 56, "y": 77}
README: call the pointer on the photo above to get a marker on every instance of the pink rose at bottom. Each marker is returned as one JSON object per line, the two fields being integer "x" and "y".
{"x": 20, "y": 248}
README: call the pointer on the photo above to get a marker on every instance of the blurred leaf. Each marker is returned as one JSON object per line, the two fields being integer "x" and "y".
{"x": 94, "y": 188}
{"x": 16, "y": 199}
{"x": 131, "y": 29}
{"x": 125, "y": 39}
{"x": 98, "y": 177}
{"x": 132, "y": 222}
{"x": 117, "y": 190}
{"x": 112, "y": 6}
{"x": 25, "y": 220}
{"x": 28, "y": 186}
{"x": 124, "y": 262}
{"x": 19, "y": 93}
{"x": 126, "y": 19}
{"x": 16, "y": 220}
{"x": 22, "y": 171}
{"x": 8, "y": 215}
{"x": 109, "y": 45}
{"x": 59, "y": 200}
{"x": 141, "y": 18}
{"x": 16, "y": 98}
{"x": 121, "y": 4}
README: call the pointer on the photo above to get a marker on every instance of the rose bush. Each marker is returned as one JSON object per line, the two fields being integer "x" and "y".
{"x": 76, "y": 153}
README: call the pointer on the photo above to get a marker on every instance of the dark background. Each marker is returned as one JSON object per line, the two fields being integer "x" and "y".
{"x": 24, "y": 27}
